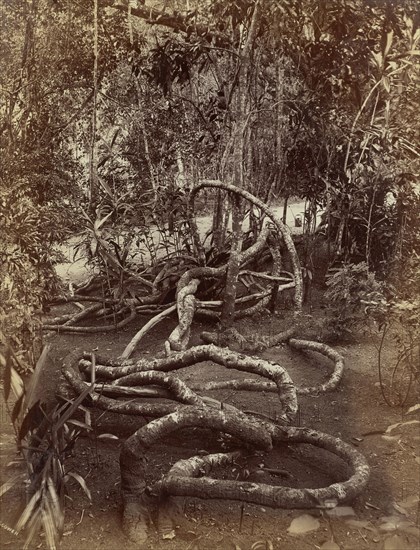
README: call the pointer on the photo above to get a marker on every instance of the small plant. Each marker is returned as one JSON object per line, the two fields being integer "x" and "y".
{"x": 357, "y": 300}
{"x": 45, "y": 439}
{"x": 400, "y": 328}
{"x": 353, "y": 292}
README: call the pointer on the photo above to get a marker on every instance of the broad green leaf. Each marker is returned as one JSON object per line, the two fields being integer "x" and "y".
{"x": 17, "y": 384}
{"x": 32, "y": 419}
{"x": 99, "y": 223}
{"x": 27, "y": 512}
{"x": 10, "y": 483}
{"x": 388, "y": 44}
{"x": 107, "y": 436}
{"x": 34, "y": 381}
{"x": 17, "y": 408}
{"x": 49, "y": 527}
{"x": 81, "y": 482}
{"x": 106, "y": 187}
{"x": 7, "y": 377}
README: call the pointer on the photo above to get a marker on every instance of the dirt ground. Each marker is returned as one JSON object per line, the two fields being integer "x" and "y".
{"x": 385, "y": 517}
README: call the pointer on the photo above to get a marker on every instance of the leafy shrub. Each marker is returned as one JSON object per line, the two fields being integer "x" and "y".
{"x": 359, "y": 300}
{"x": 27, "y": 277}
{"x": 353, "y": 292}
{"x": 45, "y": 438}
{"x": 399, "y": 327}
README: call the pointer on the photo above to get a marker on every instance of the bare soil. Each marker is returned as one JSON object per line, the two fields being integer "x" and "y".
{"x": 386, "y": 516}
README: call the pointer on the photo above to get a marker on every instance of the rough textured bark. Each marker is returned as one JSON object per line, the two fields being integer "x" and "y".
{"x": 241, "y": 122}
{"x": 112, "y": 405}
{"x": 250, "y": 342}
{"x": 229, "y": 296}
{"x": 179, "y": 337}
{"x": 192, "y": 477}
{"x": 175, "y": 386}
{"x": 323, "y": 349}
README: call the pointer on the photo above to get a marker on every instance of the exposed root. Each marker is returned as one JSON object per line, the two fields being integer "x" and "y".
{"x": 323, "y": 349}
{"x": 89, "y": 330}
{"x": 258, "y": 385}
{"x": 184, "y": 408}
{"x": 175, "y": 386}
{"x": 282, "y": 229}
{"x": 180, "y": 336}
{"x": 248, "y": 343}
{"x": 190, "y": 477}
{"x": 129, "y": 350}
{"x": 229, "y": 359}
{"x": 185, "y": 478}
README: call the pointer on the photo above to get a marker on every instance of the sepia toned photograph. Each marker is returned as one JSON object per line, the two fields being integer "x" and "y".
{"x": 209, "y": 275}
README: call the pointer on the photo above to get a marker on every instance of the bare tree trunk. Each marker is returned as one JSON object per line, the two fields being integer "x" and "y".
{"x": 22, "y": 86}
{"x": 228, "y": 309}
{"x": 93, "y": 160}
{"x": 229, "y": 297}
{"x": 279, "y": 124}
{"x": 284, "y": 216}
{"x": 181, "y": 167}
{"x": 152, "y": 172}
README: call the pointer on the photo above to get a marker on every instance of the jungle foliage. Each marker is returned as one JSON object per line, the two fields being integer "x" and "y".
{"x": 111, "y": 113}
